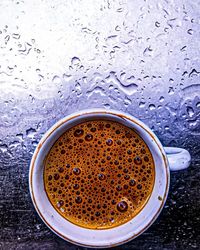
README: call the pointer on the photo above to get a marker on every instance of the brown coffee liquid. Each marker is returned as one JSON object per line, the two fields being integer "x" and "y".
{"x": 99, "y": 174}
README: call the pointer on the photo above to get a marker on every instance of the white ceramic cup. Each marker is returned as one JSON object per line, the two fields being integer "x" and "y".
{"x": 165, "y": 159}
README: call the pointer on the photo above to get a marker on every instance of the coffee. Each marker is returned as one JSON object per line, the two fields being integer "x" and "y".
{"x": 99, "y": 174}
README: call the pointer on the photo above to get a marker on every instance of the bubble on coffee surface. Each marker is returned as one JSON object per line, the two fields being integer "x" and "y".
{"x": 99, "y": 174}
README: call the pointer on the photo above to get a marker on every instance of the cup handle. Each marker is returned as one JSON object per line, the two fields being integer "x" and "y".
{"x": 178, "y": 158}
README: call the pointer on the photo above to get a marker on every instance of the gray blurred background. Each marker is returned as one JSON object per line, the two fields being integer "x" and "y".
{"x": 57, "y": 57}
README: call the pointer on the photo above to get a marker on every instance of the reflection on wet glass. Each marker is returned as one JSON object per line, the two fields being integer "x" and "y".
{"x": 142, "y": 58}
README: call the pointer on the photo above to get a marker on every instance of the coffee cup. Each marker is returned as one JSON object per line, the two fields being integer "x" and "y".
{"x": 166, "y": 159}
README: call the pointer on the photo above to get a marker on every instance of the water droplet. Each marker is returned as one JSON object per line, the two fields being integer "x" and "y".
{"x": 148, "y": 51}
{"x": 7, "y": 38}
{"x": 166, "y": 128}
{"x": 35, "y": 143}
{"x": 183, "y": 48}
{"x": 14, "y": 144}
{"x": 60, "y": 94}
{"x": 152, "y": 107}
{"x": 15, "y": 36}
{"x": 111, "y": 38}
{"x": 78, "y": 89}
{"x": 56, "y": 80}
{"x": 20, "y": 136}
{"x": 127, "y": 101}
{"x": 142, "y": 104}
{"x": 107, "y": 106}
{"x": 128, "y": 87}
{"x": 190, "y": 111}
{"x": 192, "y": 124}
{"x": 97, "y": 90}
{"x": 25, "y": 49}
{"x": 120, "y": 9}
{"x": 161, "y": 99}
{"x": 75, "y": 61}
{"x": 190, "y": 31}
{"x": 171, "y": 91}
{"x": 3, "y": 148}
{"x": 157, "y": 24}
{"x": 30, "y": 132}
{"x": 67, "y": 77}
{"x": 117, "y": 28}
{"x": 194, "y": 72}
{"x": 198, "y": 104}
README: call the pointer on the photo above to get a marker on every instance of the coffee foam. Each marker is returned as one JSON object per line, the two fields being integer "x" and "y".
{"x": 99, "y": 174}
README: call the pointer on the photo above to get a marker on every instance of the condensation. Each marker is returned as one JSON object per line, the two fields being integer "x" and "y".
{"x": 141, "y": 57}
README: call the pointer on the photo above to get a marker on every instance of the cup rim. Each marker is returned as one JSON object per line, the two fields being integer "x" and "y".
{"x": 90, "y": 112}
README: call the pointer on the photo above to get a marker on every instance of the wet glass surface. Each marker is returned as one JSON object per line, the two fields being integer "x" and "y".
{"x": 57, "y": 57}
